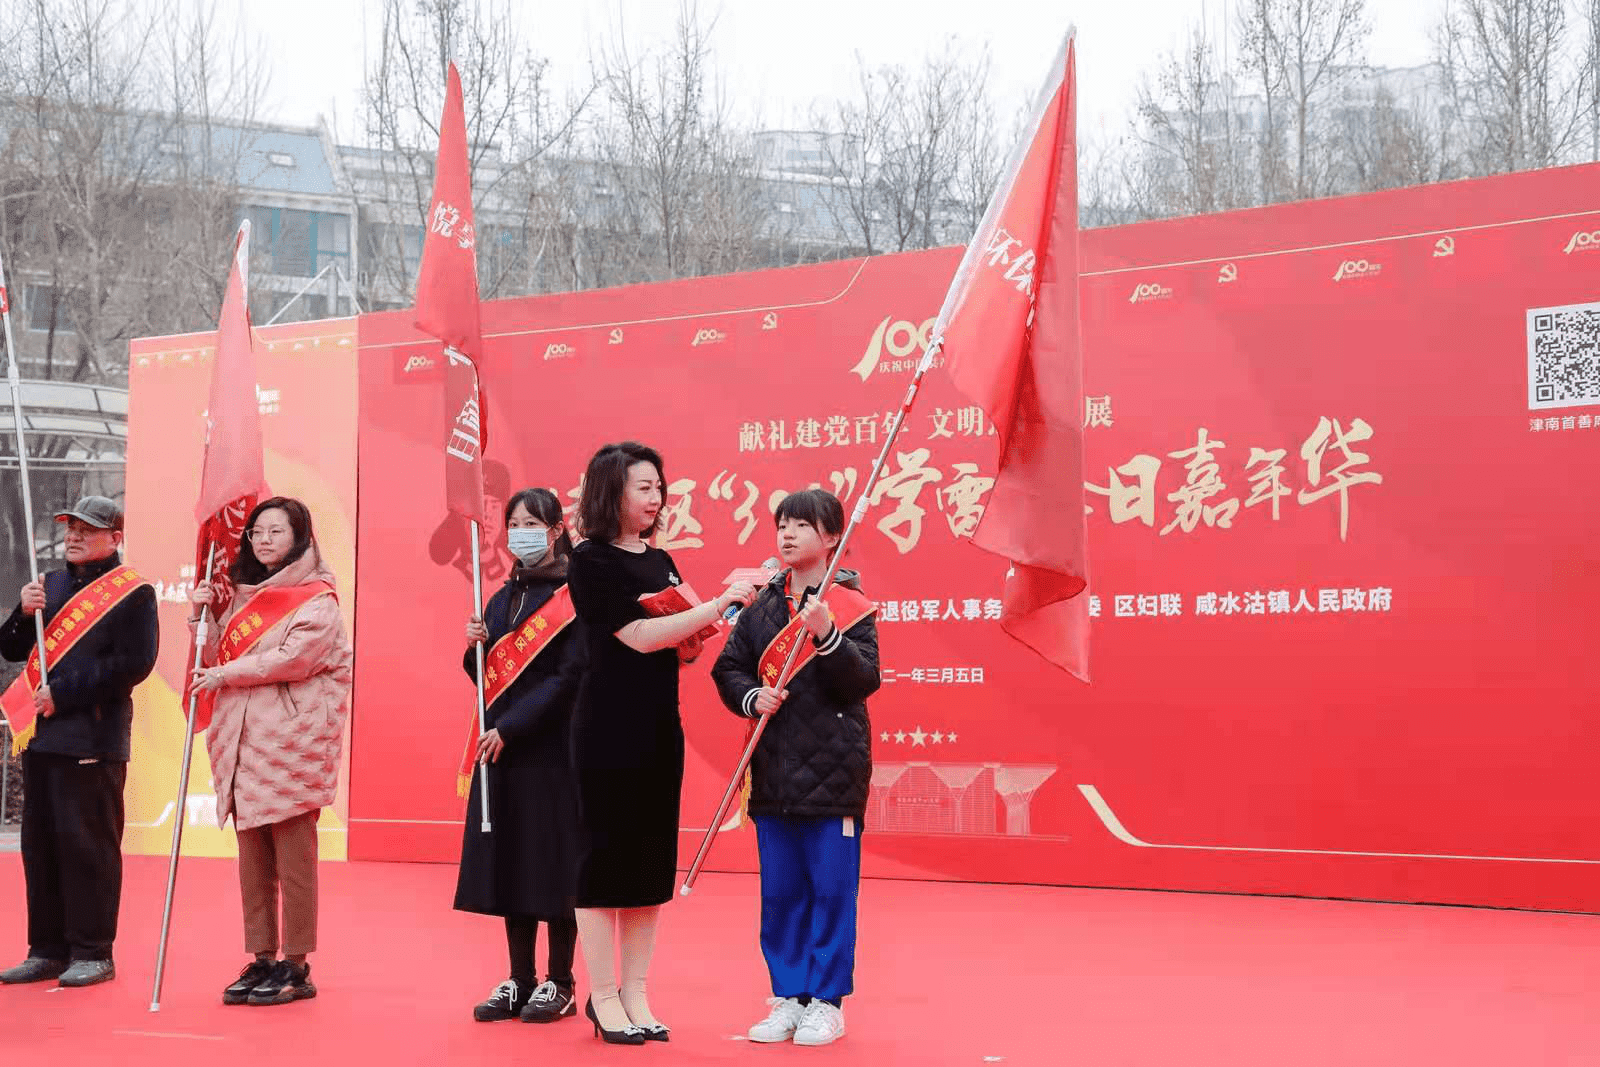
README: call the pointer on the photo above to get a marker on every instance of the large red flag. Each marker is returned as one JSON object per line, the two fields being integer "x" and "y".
{"x": 447, "y": 306}
{"x": 1009, "y": 331}
{"x": 232, "y": 478}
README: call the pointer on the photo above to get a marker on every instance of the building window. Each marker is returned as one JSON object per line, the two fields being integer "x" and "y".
{"x": 297, "y": 243}
{"x": 42, "y": 304}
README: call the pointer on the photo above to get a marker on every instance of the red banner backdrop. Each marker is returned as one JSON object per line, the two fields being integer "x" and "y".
{"x": 1340, "y": 459}
{"x": 306, "y": 392}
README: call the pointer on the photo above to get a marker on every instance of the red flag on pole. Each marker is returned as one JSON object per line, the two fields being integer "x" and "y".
{"x": 1009, "y": 332}
{"x": 232, "y": 477}
{"x": 447, "y": 306}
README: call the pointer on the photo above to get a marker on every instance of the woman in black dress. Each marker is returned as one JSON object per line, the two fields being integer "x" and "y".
{"x": 525, "y": 868}
{"x": 627, "y": 739}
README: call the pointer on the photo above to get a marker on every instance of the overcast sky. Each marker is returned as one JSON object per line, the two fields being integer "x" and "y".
{"x": 778, "y": 57}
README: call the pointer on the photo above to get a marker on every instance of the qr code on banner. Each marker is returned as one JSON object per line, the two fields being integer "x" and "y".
{"x": 1564, "y": 356}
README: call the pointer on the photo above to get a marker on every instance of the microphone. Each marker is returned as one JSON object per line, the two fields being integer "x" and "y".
{"x": 771, "y": 566}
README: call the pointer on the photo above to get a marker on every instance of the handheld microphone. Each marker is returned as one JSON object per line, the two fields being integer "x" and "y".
{"x": 772, "y": 566}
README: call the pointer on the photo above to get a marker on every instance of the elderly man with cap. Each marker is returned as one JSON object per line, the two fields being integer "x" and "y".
{"x": 101, "y": 639}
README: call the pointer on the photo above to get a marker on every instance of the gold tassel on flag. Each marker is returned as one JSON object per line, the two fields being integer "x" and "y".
{"x": 20, "y": 741}
{"x": 744, "y": 800}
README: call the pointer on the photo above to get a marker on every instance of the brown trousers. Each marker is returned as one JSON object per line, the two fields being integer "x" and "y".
{"x": 281, "y": 854}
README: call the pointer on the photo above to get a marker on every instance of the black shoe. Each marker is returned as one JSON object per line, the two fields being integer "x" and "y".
{"x": 287, "y": 983}
{"x": 88, "y": 972}
{"x": 257, "y": 972}
{"x": 549, "y": 1003}
{"x": 630, "y": 1035}
{"x": 504, "y": 1003}
{"x": 33, "y": 969}
{"x": 656, "y": 1032}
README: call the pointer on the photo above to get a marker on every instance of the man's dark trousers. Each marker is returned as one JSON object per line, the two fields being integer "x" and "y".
{"x": 72, "y": 820}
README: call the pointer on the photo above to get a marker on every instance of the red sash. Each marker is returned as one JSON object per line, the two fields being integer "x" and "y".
{"x": 844, "y": 604}
{"x": 61, "y": 635}
{"x": 264, "y": 610}
{"x": 504, "y": 663}
{"x": 848, "y": 607}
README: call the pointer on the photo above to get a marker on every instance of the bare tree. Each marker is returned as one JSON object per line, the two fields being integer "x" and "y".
{"x": 1394, "y": 141}
{"x": 1109, "y": 190}
{"x": 116, "y": 203}
{"x": 1195, "y": 155}
{"x": 1591, "y": 73}
{"x": 513, "y": 120}
{"x": 675, "y": 188}
{"x": 1298, "y": 51}
{"x": 1508, "y": 71}
{"x": 912, "y": 156}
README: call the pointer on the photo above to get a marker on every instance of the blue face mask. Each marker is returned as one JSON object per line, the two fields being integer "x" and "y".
{"x": 528, "y": 543}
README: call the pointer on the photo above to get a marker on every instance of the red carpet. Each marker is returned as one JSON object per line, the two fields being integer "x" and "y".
{"x": 948, "y": 974}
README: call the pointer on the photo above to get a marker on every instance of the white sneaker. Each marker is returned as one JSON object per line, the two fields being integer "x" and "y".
{"x": 780, "y": 1025}
{"x": 822, "y": 1024}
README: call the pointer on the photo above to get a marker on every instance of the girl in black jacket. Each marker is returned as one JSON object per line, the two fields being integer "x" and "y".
{"x": 811, "y": 771}
{"x": 525, "y": 868}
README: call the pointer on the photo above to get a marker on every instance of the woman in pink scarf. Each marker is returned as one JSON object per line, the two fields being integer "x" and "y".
{"x": 279, "y": 663}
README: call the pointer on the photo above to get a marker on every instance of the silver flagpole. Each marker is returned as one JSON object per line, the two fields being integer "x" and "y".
{"x": 14, "y": 377}
{"x": 200, "y": 633}
{"x": 860, "y": 512}
{"x": 477, "y": 609}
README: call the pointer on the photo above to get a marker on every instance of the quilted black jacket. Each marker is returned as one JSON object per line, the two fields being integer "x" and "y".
{"x": 815, "y": 758}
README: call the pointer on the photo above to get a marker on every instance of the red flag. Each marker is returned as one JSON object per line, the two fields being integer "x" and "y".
{"x": 447, "y": 305}
{"x": 1009, "y": 331}
{"x": 232, "y": 477}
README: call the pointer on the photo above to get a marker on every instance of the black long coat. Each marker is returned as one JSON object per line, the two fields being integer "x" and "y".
{"x": 815, "y": 757}
{"x": 526, "y": 865}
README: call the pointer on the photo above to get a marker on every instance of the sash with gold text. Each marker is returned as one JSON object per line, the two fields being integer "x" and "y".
{"x": 848, "y": 607}
{"x": 264, "y": 610}
{"x": 62, "y": 633}
{"x": 506, "y": 661}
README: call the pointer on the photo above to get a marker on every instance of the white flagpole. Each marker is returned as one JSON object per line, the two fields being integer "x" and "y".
{"x": 952, "y": 299}
{"x": 860, "y": 513}
{"x": 181, "y": 809}
{"x": 477, "y": 647}
{"x": 14, "y": 377}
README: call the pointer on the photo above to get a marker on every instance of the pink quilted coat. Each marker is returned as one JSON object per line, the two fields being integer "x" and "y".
{"x": 277, "y": 731}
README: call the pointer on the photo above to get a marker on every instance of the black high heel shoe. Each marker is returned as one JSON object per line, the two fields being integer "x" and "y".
{"x": 632, "y": 1035}
{"x": 656, "y": 1032}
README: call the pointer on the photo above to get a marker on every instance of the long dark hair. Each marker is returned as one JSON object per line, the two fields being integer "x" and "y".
{"x": 545, "y": 506}
{"x": 247, "y": 569}
{"x": 600, "y": 502}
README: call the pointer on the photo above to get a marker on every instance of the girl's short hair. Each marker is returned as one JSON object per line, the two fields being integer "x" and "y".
{"x": 818, "y": 507}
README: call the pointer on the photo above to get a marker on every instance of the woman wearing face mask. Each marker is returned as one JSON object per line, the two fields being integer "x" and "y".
{"x": 280, "y": 669}
{"x": 523, "y": 869}
{"x": 627, "y": 739}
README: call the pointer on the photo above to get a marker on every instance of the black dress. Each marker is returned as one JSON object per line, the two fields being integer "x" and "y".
{"x": 627, "y": 739}
{"x": 526, "y": 866}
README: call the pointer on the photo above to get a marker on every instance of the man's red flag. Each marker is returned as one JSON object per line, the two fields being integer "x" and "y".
{"x": 232, "y": 478}
{"x": 1009, "y": 331}
{"x": 447, "y": 306}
